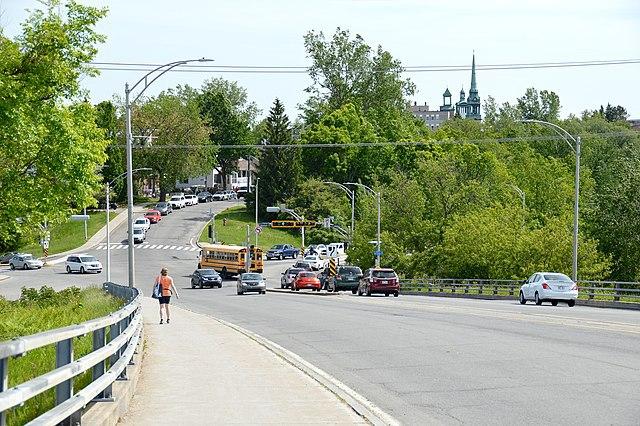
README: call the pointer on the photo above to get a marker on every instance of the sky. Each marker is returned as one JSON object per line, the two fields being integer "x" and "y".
{"x": 417, "y": 32}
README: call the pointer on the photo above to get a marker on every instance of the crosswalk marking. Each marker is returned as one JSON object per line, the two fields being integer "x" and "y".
{"x": 147, "y": 246}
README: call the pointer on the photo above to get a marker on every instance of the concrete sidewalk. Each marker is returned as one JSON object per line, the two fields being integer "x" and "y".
{"x": 198, "y": 371}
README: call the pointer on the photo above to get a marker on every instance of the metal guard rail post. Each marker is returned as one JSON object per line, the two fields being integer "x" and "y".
{"x": 591, "y": 289}
{"x": 125, "y": 326}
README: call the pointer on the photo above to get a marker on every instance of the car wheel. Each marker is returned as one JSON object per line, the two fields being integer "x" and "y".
{"x": 200, "y": 285}
{"x": 386, "y": 295}
{"x": 193, "y": 285}
{"x": 25, "y": 266}
{"x": 68, "y": 269}
{"x": 522, "y": 299}
{"x": 240, "y": 293}
{"x": 220, "y": 285}
{"x": 281, "y": 257}
{"x": 12, "y": 266}
{"x": 354, "y": 291}
{"x": 554, "y": 302}
{"x": 281, "y": 285}
{"x": 395, "y": 294}
{"x": 297, "y": 289}
{"x": 537, "y": 298}
{"x": 263, "y": 292}
{"x": 82, "y": 269}
{"x": 571, "y": 303}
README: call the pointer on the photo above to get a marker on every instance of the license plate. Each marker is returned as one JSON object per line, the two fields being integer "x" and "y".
{"x": 385, "y": 282}
{"x": 561, "y": 287}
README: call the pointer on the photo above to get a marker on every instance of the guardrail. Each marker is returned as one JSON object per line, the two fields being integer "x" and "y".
{"x": 615, "y": 291}
{"x": 115, "y": 348}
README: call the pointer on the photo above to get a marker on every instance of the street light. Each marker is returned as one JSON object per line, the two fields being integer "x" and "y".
{"x": 352, "y": 196}
{"x": 109, "y": 185}
{"x": 283, "y": 209}
{"x": 161, "y": 70}
{"x": 566, "y": 136}
{"x": 257, "y": 201}
{"x": 377, "y": 195}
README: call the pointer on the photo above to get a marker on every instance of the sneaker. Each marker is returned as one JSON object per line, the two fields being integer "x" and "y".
{"x": 167, "y": 320}
{"x": 161, "y": 321}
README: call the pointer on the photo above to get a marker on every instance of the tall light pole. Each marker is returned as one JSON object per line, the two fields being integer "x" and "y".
{"x": 352, "y": 196}
{"x": 377, "y": 195}
{"x": 567, "y": 136}
{"x": 148, "y": 80}
{"x": 109, "y": 185}
{"x": 257, "y": 202}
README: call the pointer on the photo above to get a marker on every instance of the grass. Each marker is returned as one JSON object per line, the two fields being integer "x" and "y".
{"x": 41, "y": 310}
{"x": 235, "y": 232}
{"x": 69, "y": 235}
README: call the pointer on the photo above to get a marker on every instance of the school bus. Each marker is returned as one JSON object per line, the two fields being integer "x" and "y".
{"x": 229, "y": 260}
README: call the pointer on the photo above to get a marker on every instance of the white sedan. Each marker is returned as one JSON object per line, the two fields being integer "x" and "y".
{"x": 549, "y": 287}
{"x": 143, "y": 223}
{"x": 315, "y": 261}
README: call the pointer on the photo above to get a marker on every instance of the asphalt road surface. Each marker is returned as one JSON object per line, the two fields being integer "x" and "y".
{"x": 422, "y": 359}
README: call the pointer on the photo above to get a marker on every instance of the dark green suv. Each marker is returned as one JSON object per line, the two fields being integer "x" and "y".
{"x": 347, "y": 278}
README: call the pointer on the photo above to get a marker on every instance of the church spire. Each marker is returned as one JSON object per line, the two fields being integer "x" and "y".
{"x": 474, "y": 88}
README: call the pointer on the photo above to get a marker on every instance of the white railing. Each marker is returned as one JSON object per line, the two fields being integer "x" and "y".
{"x": 115, "y": 348}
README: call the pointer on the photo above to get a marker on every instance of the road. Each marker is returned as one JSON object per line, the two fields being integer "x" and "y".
{"x": 422, "y": 359}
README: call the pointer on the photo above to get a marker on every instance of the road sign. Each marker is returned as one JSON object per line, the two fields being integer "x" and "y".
{"x": 377, "y": 253}
{"x": 80, "y": 217}
{"x": 258, "y": 229}
{"x": 293, "y": 223}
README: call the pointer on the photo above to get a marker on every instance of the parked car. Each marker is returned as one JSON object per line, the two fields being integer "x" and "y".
{"x": 549, "y": 287}
{"x": 139, "y": 235}
{"x": 220, "y": 196}
{"x": 306, "y": 279}
{"x": 288, "y": 276}
{"x": 205, "y": 278}
{"x": 251, "y": 281}
{"x": 142, "y": 222}
{"x": 241, "y": 192}
{"x": 204, "y": 197}
{"x": 231, "y": 195}
{"x": 164, "y": 208}
{"x": 24, "y": 261}
{"x": 153, "y": 216}
{"x": 190, "y": 200}
{"x": 302, "y": 265}
{"x": 82, "y": 263}
{"x": 379, "y": 280}
{"x": 347, "y": 278}
{"x": 280, "y": 251}
{"x": 178, "y": 202}
{"x": 6, "y": 257}
{"x": 315, "y": 262}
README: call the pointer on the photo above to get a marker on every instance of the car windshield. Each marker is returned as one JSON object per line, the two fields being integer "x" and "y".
{"x": 161, "y": 204}
{"x": 277, "y": 247}
{"x": 307, "y": 275}
{"x": 349, "y": 270}
{"x": 384, "y": 274}
{"x": 207, "y": 272}
{"x": 294, "y": 271}
{"x": 141, "y": 221}
{"x": 87, "y": 259}
{"x": 557, "y": 277}
{"x": 175, "y": 198}
{"x": 28, "y": 257}
{"x": 251, "y": 277}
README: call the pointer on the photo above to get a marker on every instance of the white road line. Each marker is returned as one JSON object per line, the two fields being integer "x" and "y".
{"x": 153, "y": 246}
{"x": 118, "y": 247}
{"x": 193, "y": 248}
{"x": 173, "y": 247}
{"x": 180, "y": 248}
{"x": 165, "y": 247}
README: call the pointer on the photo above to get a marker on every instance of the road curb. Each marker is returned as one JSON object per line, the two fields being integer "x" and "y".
{"x": 361, "y": 405}
{"x": 4, "y": 277}
{"x": 313, "y": 293}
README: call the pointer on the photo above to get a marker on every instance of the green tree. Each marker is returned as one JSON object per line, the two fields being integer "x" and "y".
{"x": 280, "y": 169}
{"x": 50, "y": 146}
{"x": 225, "y": 109}
{"x": 180, "y": 146}
{"x": 539, "y": 106}
{"x": 108, "y": 120}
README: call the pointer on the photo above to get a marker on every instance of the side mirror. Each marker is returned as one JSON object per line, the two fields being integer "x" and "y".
{"x": 360, "y": 276}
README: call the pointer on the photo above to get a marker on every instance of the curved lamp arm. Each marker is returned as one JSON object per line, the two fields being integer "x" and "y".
{"x": 373, "y": 193}
{"x": 559, "y": 130}
{"x": 341, "y": 186}
{"x": 124, "y": 174}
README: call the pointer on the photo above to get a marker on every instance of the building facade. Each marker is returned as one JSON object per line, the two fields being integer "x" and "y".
{"x": 244, "y": 176}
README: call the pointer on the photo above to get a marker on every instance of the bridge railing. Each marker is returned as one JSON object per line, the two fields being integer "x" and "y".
{"x": 587, "y": 290}
{"x": 115, "y": 348}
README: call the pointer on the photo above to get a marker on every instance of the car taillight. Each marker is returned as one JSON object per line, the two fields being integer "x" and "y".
{"x": 546, "y": 286}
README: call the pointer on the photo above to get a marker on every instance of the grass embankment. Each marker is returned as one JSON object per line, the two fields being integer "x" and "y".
{"x": 69, "y": 235}
{"x": 41, "y": 310}
{"x": 235, "y": 232}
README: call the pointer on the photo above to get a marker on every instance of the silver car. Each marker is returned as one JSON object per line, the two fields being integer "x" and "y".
{"x": 252, "y": 281}
{"x": 25, "y": 261}
{"x": 82, "y": 263}
{"x": 549, "y": 287}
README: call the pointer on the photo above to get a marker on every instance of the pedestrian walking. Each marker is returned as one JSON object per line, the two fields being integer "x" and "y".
{"x": 167, "y": 289}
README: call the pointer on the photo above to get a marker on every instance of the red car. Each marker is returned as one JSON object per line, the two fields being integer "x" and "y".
{"x": 154, "y": 216}
{"x": 306, "y": 279}
{"x": 381, "y": 281}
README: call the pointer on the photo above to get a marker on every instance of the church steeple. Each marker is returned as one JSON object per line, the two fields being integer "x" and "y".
{"x": 474, "y": 88}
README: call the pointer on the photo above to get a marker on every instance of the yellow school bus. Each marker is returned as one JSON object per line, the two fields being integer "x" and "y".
{"x": 229, "y": 260}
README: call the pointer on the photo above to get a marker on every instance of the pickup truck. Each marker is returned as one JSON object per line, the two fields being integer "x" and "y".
{"x": 280, "y": 251}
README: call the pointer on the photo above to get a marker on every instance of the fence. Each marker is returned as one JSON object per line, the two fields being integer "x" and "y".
{"x": 115, "y": 348}
{"x": 615, "y": 291}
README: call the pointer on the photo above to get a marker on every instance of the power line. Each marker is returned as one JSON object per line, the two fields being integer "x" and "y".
{"x": 386, "y": 143}
{"x": 258, "y": 69}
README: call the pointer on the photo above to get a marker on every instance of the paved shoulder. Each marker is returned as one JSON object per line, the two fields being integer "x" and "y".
{"x": 199, "y": 371}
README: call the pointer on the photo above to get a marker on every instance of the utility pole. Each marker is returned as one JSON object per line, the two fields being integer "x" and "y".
{"x": 257, "y": 202}
{"x": 247, "y": 258}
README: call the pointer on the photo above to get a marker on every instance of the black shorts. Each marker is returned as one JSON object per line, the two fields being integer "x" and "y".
{"x": 164, "y": 300}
